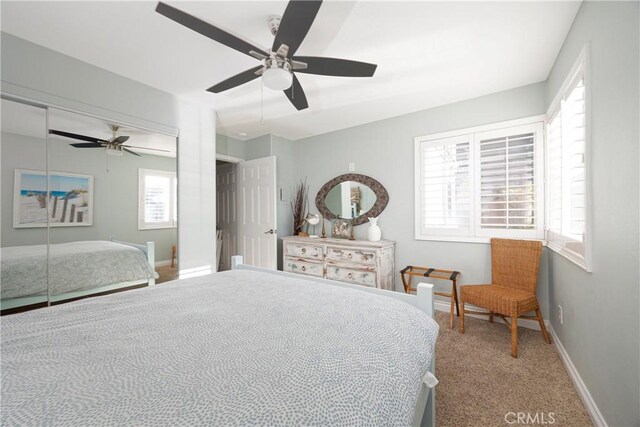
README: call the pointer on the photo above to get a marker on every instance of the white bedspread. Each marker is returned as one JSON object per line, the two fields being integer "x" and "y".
{"x": 73, "y": 266}
{"x": 233, "y": 348}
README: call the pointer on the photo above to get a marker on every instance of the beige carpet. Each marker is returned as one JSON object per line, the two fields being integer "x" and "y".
{"x": 480, "y": 383}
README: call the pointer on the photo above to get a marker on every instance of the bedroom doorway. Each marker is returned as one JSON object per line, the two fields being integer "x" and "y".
{"x": 226, "y": 213}
{"x": 246, "y": 211}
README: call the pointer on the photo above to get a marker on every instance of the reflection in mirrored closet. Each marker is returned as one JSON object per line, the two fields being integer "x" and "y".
{"x": 23, "y": 263}
{"x": 103, "y": 193}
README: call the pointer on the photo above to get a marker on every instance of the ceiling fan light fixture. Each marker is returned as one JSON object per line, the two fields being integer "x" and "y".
{"x": 277, "y": 75}
{"x": 114, "y": 152}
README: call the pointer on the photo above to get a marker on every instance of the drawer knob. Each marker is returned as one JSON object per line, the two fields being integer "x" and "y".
{"x": 304, "y": 268}
{"x": 304, "y": 250}
{"x": 350, "y": 256}
{"x": 350, "y": 275}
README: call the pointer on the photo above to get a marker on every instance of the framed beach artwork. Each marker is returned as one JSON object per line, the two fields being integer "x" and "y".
{"x": 70, "y": 199}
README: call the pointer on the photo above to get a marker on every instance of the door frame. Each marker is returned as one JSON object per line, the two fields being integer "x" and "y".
{"x": 229, "y": 159}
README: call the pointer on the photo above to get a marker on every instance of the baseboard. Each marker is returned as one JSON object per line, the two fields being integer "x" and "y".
{"x": 581, "y": 388}
{"x": 163, "y": 263}
{"x": 525, "y": 323}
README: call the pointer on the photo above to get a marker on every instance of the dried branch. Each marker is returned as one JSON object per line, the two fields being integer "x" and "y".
{"x": 299, "y": 206}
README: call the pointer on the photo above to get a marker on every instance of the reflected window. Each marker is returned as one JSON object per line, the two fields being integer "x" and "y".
{"x": 157, "y": 199}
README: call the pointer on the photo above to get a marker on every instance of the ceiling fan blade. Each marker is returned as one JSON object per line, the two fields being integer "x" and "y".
{"x": 87, "y": 145}
{"x": 296, "y": 95}
{"x": 237, "y": 80}
{"x": 144, "y": 148}
{"x": 208, "y": 30}
{"x": 335, "y": 67}
{"x": 295, "y": 24}
{"x": 120, "y": 139}
{"x": 76, "y": 136}
{"x": 131, "y": 152}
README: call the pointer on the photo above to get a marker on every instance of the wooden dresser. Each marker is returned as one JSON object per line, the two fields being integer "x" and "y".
{"x": 354, "y": 261}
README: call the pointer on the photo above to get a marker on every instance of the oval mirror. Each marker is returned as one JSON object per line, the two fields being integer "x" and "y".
{"x": 352, "y": 196}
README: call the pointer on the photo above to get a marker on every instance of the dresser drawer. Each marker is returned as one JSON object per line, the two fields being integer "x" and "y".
{"x": 304, "y": 251}
{"x": 356, "y": 256}
{"x": 303, "y": 267}
{"x": 342, "y": 274}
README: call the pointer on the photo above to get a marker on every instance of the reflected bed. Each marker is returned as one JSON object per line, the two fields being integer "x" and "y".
{"x": 74, "y": 269}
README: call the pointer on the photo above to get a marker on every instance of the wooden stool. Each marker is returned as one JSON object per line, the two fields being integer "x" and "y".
{"x": 174, "y": 254}
{"x": 410, "y": 271}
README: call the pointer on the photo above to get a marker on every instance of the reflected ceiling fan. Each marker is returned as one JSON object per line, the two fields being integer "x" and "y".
{"x": 114, "y": 145}
{"x": 279, "y": 64}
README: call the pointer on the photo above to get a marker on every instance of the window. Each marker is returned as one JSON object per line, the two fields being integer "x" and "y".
{"x": 157, "y": 204}
{"x": 445, "y": 187}
{"x": 566, "y": 225}
{"x": 479, "y": 183}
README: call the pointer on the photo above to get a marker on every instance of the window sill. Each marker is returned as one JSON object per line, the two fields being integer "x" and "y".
{"x": 574, "y": 258}
{"x": 159, "y": 227}
{"x": 468, "y": 239}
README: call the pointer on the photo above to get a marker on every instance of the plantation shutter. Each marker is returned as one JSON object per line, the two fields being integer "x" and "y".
{"x": 554, "y": 178}
{"x": 445, "y": 186}
{"x": 566, "y": 172}
{"x": 574, "y": 127}
{"x": 157, "y": 199}
{"x": 507, "y": 202}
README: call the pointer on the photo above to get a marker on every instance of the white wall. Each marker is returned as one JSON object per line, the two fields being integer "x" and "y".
{"x": 384, "y": 151}
{"x": 48, "y": 77}
{"x": 601, "y": 330}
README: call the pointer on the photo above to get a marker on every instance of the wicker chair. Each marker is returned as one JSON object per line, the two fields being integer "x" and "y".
{"x": 512, "y": 292}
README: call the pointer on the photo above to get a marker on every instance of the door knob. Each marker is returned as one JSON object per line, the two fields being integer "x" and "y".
{"x": 272, "y": 231}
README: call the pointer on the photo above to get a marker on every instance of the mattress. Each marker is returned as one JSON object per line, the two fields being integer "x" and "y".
{"x": 73, "y": 266}
{"x": 234, "y": 348}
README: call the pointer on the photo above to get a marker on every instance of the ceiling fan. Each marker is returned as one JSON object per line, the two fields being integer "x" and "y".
{"x": 279, "y": 64}
{"x": 114, "y": 145}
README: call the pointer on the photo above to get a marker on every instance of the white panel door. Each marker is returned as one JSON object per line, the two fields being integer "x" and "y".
{"x": 227, "y": 202}
{"x": 257, "y": 239}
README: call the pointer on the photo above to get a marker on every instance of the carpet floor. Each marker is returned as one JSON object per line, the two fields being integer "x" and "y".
{"x": 166, "y": 273}
{"x": 481, "y": 384}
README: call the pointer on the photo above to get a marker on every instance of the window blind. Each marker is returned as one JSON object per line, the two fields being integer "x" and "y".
{"x": 157, "y": 194}
{"x": 445, "y": 187}
{"x": 157, "y": 199}
{"x": 507, "y": 182}
{"x": 554, "y": 175}
{"x": 566, "y": 171}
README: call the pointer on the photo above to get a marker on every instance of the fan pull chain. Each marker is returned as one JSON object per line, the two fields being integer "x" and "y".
{"x": 261, "y": 102}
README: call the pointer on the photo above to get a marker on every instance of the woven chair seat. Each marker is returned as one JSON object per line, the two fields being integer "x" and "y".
{"x": 499, "y": 299}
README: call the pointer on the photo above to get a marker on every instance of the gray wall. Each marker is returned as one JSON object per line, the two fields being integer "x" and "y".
{"x": 230, "y": 146}
{"x": 45, "y": 76}
{"x": 384, "y": 151}
{"x": 601, "y": 322}
{"x": 115, "y": 193}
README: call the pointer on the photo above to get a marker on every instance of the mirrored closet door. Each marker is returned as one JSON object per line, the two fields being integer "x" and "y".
{"x": 113, "y": 206}
{"x": 23, "y": 164}
{"x": 93, "y": 207}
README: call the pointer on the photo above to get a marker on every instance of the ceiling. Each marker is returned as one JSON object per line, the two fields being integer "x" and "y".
{"x": 23, "y": 119}
{"x": 428, "y": 54}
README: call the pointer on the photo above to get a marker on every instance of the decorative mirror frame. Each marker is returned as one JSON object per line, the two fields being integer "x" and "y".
{"x": 382, "y": 197}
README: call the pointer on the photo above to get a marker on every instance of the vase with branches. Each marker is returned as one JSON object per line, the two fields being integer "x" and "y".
{"x": 299, "y": 206}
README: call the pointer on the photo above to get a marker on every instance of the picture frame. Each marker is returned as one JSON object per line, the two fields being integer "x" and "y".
{"x": 70, "y": 199}
{"x": 341, "y": 228}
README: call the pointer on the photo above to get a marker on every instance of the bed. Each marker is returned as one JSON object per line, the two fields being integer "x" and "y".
{"x": 242, "y": 347}
{"x": 75, "y": 269}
